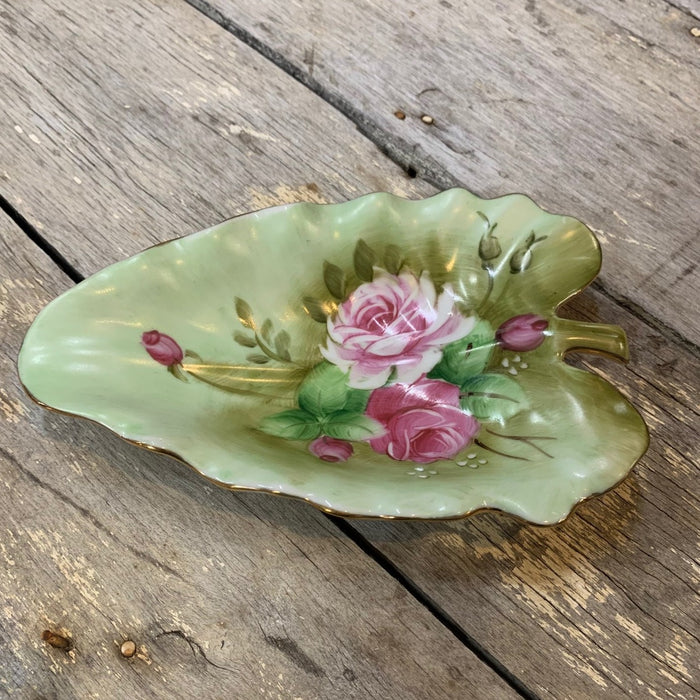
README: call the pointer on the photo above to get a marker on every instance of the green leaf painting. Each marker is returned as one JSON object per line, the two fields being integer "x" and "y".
{"x": 346, "y": 425}
{"x": 493, "y": 397}
{"x": 364, "y": 260}
{"x": 291, "y": 425}
{"x": 245, "y": 313}
{"x": 314, "y": 307}
{"x": 334, "y": 279}
{"x": 325, "y": 390}
{"x": 466, "y": 357}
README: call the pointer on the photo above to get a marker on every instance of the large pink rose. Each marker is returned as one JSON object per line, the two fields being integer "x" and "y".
{"x": 395, "y": 321}
{"x": 423, "y": 421}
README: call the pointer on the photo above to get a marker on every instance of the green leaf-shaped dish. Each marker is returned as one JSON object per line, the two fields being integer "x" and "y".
{"x": 380, "y": 357}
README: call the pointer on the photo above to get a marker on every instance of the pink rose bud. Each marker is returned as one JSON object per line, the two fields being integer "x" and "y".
{"x": 162, "y": 348}
{"x": 330, "y": 449}
{"x": 522, "y": 333}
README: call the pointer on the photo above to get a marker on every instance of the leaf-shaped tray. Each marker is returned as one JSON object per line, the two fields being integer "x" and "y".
{"x": 380, "y": 357}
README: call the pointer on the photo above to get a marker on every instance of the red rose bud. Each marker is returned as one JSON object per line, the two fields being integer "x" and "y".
{"x": 331, "y": 450}
{"x": 162, "y": 348}
{"x": 522, "y": 333}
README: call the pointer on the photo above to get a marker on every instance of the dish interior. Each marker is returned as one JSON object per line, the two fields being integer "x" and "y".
{"x": 266, "y": 273}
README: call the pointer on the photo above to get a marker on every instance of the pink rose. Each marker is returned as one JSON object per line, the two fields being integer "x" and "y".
{"x": 331, "y": 450}
{"x": 395, "y": 321}
{"x": 162, "y": 348}
{"x": 423, "y": 421}
{"x": 522, "y": 333}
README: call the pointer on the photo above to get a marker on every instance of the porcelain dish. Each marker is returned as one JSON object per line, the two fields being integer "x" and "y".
{"x": 381, "y": 357}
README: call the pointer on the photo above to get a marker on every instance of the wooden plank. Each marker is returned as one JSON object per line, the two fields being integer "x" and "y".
{"x": 224, "y": 595}
{"x": 142, "y": 135}
{"x": 50, "y": 199}
{"x": 605, "y": 604}
{"x": 591, "y": 108}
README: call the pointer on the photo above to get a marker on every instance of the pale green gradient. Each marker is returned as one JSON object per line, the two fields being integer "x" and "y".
{"x": 82, "y": 354}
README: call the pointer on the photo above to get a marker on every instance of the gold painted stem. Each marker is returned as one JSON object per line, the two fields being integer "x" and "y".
{"x": 275, "y": 382}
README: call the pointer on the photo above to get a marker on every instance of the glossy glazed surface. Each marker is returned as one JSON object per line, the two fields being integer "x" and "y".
{"x": 230, "y": 348}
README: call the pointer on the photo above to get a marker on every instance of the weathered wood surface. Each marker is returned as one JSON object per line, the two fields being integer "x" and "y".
{"x": 155, "y": 123}
{"x": 592, "y": 108}
{"x": 542, "y": 601}
{"x": 606, "y": 604}
{"x": 225, "y": 595}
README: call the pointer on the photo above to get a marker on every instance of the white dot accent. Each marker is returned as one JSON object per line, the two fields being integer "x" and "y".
{"x": 505, "y": 362}
{"x": 422, "y": 476}
{"x": 512, "y": 370}
{"x": 419, "y": 469}
{"x": 473, "y": 465}
{"x": 481, "y": 461}
{"x": 432, "y": 471}
{"x": 471, "y": 455}
{"x": 524, "y": 365}
{"x": 462, "y": 463}
{"x": 516, "y": 358}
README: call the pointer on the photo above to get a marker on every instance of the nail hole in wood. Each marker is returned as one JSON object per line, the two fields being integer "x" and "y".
{"x": 57, "y": 641}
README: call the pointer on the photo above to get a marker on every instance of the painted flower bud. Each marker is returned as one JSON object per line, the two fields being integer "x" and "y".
{"x": 162, "y": 348}
{"x": 522, "y": 257}
{"x": 330, "y": 449}
{"x": 522, "y": 333}
{"x": 489, "y": 247}
{"x": 520, "y": 260}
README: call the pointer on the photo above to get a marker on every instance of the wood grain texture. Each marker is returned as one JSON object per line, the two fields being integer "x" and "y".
{"x": 544, "y": 601}
{"x": 142, "y": 134}
{"x": 590, "y": 107}
{"x": 224, "y": 595}
{"x": 605, "y": 604}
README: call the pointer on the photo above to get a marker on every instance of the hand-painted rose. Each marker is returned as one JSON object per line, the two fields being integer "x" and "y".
{"x": 394, "y": 322}
{"x": 423, "y": 421}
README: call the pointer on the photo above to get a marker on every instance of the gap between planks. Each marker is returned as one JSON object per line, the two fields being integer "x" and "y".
{"x": 424, "y": 599}
{"x": 55, "y": 256}
{"x": 344, "y": 526}
{"x": 406, "y": 155}
{"x": 687, "y": 9}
